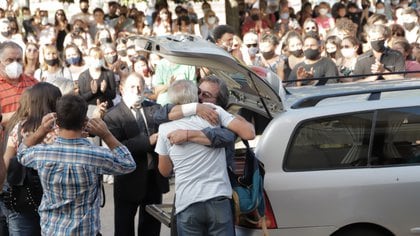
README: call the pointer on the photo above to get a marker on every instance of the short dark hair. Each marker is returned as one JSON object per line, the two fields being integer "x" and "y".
{"x": 98, "y": 10}
{"x": 71, "y": 112}
{"x": 220, "y": 30}
{"x": 86, "y": 1}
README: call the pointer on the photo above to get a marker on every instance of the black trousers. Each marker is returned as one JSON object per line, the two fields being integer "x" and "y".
{"x": 125, "y": 213}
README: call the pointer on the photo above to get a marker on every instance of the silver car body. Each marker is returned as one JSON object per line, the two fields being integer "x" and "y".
{"x": 313, "y": 202}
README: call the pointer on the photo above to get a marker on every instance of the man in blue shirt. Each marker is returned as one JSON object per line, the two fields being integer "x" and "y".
{"x": 70, "y": 169}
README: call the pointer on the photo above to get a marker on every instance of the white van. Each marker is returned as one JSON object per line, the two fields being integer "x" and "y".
{"x": 340, "y": 159}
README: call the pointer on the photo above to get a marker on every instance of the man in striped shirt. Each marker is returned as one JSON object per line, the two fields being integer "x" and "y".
{"x": 70, "y": 169}
{"x": 12, "y": 81}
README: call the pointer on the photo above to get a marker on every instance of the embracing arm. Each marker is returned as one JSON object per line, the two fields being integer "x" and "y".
{"x": 165, "y": 165}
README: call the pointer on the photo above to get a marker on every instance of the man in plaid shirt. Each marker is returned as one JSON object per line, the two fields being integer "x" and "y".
{"x": 70, "y": 169}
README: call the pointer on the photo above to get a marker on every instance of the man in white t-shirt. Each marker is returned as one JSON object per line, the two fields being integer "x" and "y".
{"x": 202, "y": 186}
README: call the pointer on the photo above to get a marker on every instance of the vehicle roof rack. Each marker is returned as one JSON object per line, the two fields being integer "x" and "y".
{"x": 380, "y": 76}
{"x": 375, "y": 94}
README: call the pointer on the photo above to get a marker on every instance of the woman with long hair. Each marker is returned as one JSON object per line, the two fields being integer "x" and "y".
{"x": 35, "y": 103}
{"x": 74, "y": 62}
{"x": 52, "y": 70}
{"x": 163, "y": 23}
{"x": 62, "y": 27}
{"x": 31, "y": 59}
{"x": 349, "y": 47}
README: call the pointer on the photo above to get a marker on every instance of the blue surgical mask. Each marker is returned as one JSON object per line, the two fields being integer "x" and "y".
{"x": 73, "y": 60}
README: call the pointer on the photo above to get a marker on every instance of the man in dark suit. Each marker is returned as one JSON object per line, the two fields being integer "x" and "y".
{"x": 131, "y": 122}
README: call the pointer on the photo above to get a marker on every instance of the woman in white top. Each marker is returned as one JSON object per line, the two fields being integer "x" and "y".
{"x": 52, "y": 70}
{"x": 74, "y": 61}
{"x": 209, "y": 23}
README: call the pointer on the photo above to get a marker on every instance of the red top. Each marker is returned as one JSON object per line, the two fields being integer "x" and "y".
{"x": 10, "y": 93}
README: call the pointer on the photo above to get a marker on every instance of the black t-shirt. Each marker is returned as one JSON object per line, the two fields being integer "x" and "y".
{"x": 393, "y": 61}
{"x": 325, "y": 67}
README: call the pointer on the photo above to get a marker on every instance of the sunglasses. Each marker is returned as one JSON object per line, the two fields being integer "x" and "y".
{"x": 60, "y": 14}
{"x": 252, "y": 45}
{"x": 346, "y": 46}
{"x": 311, "y": 28}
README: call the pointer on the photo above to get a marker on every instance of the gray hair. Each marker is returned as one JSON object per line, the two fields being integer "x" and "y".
{"x": 9, "y": 44}
{"x": 183, "y": 92}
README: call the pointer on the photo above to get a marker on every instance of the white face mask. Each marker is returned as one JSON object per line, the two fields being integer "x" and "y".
{"x": 132, "y": 100}
{"x": 96, "y": 63}
{"x": 323, "y": 11}
{"x": 13, "y": 70}
{"x": 284, "y": 16}
{"x": 211, "y": 20}
{"x": 347, "y": 52}
{"x": 380, "y": 11}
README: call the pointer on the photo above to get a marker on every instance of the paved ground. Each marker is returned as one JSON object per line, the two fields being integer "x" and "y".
{"x": 107, "y": 213}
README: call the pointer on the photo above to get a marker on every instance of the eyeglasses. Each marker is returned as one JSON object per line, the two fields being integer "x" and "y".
{"x": 205, "y": 94}
{"x": 252, "y": 45}
{"x": 311, "y": 28}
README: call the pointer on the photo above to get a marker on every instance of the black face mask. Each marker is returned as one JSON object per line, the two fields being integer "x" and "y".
{"x": 5, "y": 34}
{"x": 84, "y": 10}
{"x": 268, "y": 55}
{"x": 378, "y": 45}
{"x": 255, "y": 17}
{"x": 311, "y": 54}
{"x": 297, "y": 53}
{"x": 105, "y": 40}
{"x": 409, "y": 26}
{"x": 51, "y": 62}
{"x": 111, "y": 59}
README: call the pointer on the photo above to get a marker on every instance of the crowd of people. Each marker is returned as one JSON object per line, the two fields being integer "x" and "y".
{"x": 55, "y": 74}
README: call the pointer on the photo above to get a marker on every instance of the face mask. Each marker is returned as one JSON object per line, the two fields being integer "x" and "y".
{"x": 105, "y": 40}
{"x": 268, "y": 55}
{"x": 378, "y": 45}
{"x": 323, "y": 11}
{"x": 132, "y": 100}
{"x": 255, "y": 17}
{"x": 77, "y": 30}
{"x": 380, "y": 11}
{"x": 111, "y": 59}
{"x": 164, "y": 16}
{"x": 331, "y": 54}
{"x": 347, "y": 52}
{"x": 395, "y": 2}
{"x": 122, "y": 53}
{"x": 252, "y": 51}
{"x": 205, "y": 10}
{"x": 211, "y": 20}
{"x": 96, "y": 63}
{"x": 84, "y": 10}
{"x": 5, "y": 34}
{"x": 52, "y": 62}
{"x": 409, "y": 26}
{"x": 297, "y": 53}
{"x": 44, "y": 21}
{"x": 73, "y": 60}
{"x": 27, "y": 17}
{"x": 284, "y": 16}
{"x": 13, "y": 70}
{"x": 311, "y": 54}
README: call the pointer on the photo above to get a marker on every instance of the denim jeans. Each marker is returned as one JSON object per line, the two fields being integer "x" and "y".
{"x": 212, "y": 217}
{"x": 22, "y": 224}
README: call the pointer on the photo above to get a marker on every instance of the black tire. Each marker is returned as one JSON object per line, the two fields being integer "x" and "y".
{"x": 362, "y": 231}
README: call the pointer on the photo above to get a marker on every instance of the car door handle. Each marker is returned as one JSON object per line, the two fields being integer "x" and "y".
{"x": 415, "y": 230}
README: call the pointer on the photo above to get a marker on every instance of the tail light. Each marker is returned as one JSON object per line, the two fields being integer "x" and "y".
{"x": 269, "y": 218}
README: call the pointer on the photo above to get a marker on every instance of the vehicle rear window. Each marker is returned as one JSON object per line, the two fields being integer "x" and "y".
{"x": 349, "y": 141}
